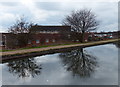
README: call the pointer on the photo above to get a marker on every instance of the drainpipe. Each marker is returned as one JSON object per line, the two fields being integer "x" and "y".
{"x": 5, "y": 42}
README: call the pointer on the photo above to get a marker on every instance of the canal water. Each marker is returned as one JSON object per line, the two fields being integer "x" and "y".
{"x": 96, "y": 65}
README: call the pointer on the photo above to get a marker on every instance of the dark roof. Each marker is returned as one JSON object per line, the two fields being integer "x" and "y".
{"x": 50, "y": 28}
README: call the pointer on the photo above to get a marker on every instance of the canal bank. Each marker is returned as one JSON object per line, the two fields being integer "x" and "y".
{"x": 49, "y": 50}
{"x": 101, "y": 68}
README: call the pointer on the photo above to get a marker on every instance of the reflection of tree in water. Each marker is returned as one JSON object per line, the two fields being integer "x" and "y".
{"x": 24, "y": 68}
{"x": 79, "y": 62}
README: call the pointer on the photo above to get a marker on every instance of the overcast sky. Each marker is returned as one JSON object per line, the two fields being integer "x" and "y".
{"x": 52, "y": 12}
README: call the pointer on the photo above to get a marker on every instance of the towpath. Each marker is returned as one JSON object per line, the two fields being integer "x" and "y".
{"x": 56, "y": 47}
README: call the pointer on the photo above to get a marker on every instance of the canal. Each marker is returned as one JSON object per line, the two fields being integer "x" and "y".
{"x": 97, "y": 65}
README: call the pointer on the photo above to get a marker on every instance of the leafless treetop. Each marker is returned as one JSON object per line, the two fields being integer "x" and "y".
{"x": 81, "y": 21}
{"x": 21, "y": 26}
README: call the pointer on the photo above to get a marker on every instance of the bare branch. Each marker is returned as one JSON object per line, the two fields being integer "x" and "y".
{"x": 81, "y": 21}
{"x": 21, "y": 33}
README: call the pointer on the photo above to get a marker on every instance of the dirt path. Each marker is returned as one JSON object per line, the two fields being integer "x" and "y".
{"x": 55, "y": 47}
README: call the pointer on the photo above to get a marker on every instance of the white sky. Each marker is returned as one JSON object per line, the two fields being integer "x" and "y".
{"x": 52, "y": 12}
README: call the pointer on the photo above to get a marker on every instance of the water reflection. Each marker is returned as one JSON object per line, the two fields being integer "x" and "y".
{"x": 117, "y": 44}
{"x": 79, "y": 62}
{"x": 24, "y": 68}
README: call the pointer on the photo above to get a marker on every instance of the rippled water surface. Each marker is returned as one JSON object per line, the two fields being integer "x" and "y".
{"x": 96, "y": 65}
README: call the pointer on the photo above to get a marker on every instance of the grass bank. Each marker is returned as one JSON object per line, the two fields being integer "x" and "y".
{"x": 42, "y": 46}
{"x": 59, "y": 46}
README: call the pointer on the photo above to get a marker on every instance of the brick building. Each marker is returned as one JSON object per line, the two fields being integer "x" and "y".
{"x": 41, "y": 35}
{"x": 44, "y": 35}
{"x": 94, "y": 36}
{"x": 4, "y": 38}
{"x": 50, "y": 35}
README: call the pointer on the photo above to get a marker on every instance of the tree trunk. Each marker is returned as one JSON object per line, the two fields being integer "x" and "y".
{"x": 83, "y": 58}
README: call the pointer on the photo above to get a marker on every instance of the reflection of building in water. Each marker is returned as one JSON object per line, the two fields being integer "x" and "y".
{"x": 79, "y": 62}
{"x": 117, "y": 44}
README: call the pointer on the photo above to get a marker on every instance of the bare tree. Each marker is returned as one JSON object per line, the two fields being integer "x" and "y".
{"x": 80, "y": 62}
{"x": 21, "y": 32}
{"x": 21, "y": 26}
{"x": 25, "y": 67}
{"x": 81, "y": 21}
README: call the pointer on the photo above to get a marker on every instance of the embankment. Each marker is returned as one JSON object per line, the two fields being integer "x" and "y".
{"x": 49, "y": 50}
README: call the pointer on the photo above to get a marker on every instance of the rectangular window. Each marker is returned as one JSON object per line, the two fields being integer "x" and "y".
{"x": 68, "y": 35}
{"x": 53, "y": 40}
{"x": 29, "y": 42}
{"x": 37, "y": 41}
{"x": 2, "y": 43}
{"x": 47, "y": 40}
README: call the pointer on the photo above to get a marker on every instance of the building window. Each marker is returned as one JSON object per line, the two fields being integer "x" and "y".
{"x": 111, "y": 36}
{"x": 37, "y": 41}
{"x": 68, "y": 35}
{"x": 86, "y": 40}
{"x": 90, "y": 35}
{"x": 2, "y": 43}
{"x": 16, "y": 42}
{"x": 47, "y": 40}
{"x": 53, "y": 40}
{"x": 29, "y": 42}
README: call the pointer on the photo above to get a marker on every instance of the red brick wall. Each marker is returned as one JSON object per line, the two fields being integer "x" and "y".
{"x": 42, "y": 39}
